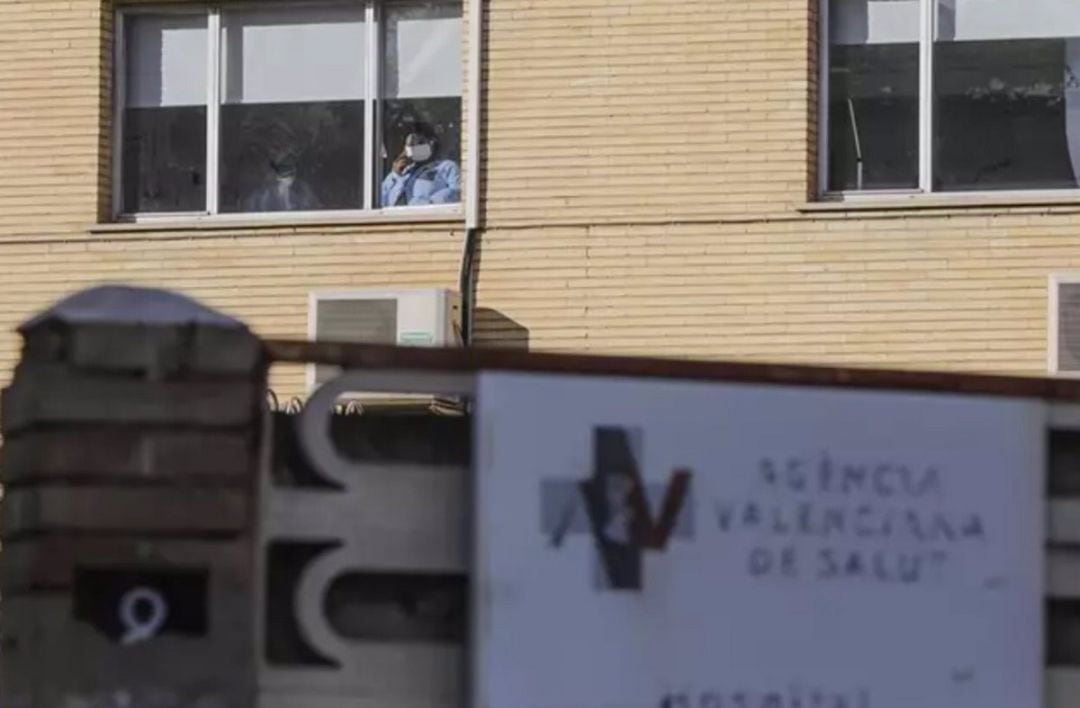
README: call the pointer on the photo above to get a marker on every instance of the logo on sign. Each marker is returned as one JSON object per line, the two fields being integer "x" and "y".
{"x": 616, "y": 508}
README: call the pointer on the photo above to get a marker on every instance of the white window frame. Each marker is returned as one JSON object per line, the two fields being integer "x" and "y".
{"x": 372, "y": 125}
{"x": 928, "y": 31}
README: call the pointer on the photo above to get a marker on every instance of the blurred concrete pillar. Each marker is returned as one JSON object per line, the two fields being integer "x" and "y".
{"x": 131, "y": 436}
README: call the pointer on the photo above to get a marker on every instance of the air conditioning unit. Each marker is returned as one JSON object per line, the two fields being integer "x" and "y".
{"x": 419, "y": 318}
{"x": 1064, "y": 325}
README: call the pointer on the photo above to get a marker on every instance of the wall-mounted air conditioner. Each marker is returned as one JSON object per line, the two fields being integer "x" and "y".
{"x": 421, "y": 318}
{"x": 1064, "y": 325}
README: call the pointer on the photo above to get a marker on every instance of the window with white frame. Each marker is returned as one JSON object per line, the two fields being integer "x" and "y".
{"x": 304, "y": 107}
{"x": 951, "y": 95}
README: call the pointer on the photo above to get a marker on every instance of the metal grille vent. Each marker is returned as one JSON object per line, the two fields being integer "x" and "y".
{"x": 1068, "y": 327}
{"x": 359, "y": 320}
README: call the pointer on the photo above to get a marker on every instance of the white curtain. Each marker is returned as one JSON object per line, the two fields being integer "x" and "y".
{"x": 295, "y": 54}
{"x": 1010, "y": 19}
{"x": 423, "y": 51}
{"x": 874, "y": 21}
{"x": 166, "y": 60}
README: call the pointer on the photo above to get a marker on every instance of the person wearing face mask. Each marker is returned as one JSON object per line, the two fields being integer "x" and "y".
{"x": 281, "y": 190}
{"x": 276, "y": 161}
{"x": 419, "y": 176}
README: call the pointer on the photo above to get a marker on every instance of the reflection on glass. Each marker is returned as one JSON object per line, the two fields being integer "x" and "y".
{"x": 291, "y": 156}
{"x": 873, "y": 99}
{"x": 1007, "y": 99}
{"x": 421, "y": 106}
{"x": 163, "y": 155}
{"x": 292, "y": 123}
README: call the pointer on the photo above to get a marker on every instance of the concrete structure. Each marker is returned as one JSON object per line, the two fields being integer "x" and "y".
{"x": 131, "y": 438}
{"x": 152, "y": 558}
{"x": 647, "y": 184}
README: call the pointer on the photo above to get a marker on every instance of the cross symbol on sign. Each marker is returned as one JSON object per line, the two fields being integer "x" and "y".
{"x": 615, "y": 507}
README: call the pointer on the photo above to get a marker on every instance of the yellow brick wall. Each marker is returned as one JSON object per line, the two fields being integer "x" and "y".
{"x": 263, "y": 276}
{"x": 608, "y": 111}
{"x": 956, "y": 291}
{"x": 50, "y": 109}
{"x": 645, "y": 165}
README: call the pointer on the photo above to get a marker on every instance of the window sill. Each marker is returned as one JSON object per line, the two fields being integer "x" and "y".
{"x": 982, "y": 200}
{"x": 412, "y": 216}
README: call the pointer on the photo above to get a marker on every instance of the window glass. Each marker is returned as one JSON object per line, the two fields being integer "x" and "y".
{"x": 421, "y": 104}
{"x": 873, "y": 99}
{"x": 292, "y": 119}
{"x": 286, "y": 127}
{"x": 163, "y": 155}
{"x": 1006, "y": 94}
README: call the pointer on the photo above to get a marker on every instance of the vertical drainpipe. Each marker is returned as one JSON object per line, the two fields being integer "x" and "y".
{"x": 466, "y": 278}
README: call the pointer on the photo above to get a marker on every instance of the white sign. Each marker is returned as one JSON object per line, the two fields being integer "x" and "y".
{"x": 800, "y": 547}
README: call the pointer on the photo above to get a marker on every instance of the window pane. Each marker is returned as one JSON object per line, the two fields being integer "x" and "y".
{"x": 873, "y": 139}
{"x": 421, "y": 104}
{"x": 1007, "y": 99}
{"x": 163, "y": 157}
{"x": 292, "y": 119}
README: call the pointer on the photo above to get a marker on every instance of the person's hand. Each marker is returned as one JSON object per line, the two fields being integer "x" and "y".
{"x": 401, "y": 163}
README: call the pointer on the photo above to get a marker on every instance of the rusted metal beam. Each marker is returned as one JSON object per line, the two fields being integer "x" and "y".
{"x": 366, "y": 356}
